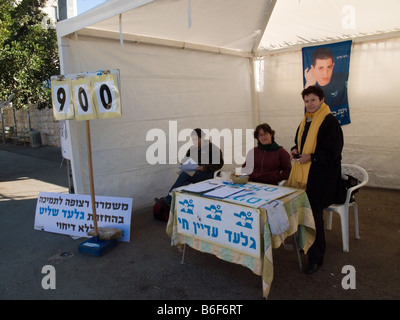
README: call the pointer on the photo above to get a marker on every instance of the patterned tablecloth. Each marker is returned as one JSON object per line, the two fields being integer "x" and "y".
{"x": 300, "y": 219}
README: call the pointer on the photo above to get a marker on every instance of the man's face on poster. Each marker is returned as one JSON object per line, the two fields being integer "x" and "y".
{"x": 322, "y": 71}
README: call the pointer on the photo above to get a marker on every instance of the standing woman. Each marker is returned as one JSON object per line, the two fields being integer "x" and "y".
{"x": 317, "y": 169}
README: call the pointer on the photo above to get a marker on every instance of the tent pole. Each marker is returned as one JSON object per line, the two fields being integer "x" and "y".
{"x": 254, "y": 96}
{"x": 165, "y": 42}
{"x": 269, "y": 12}
{"x": 121, "y": 39}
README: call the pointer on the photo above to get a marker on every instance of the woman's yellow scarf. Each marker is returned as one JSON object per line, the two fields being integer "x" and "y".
{"x": 299, "y": 173}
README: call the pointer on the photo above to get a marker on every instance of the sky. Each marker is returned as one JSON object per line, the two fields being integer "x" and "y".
{"x": 85, "y": 5}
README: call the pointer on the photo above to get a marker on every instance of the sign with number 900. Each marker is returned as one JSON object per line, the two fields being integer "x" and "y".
{"x": 86, "y": 96}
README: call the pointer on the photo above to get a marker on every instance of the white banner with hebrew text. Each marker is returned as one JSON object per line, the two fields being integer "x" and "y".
{"x": 71, "y": 214}
{"x": 226, "y": 224}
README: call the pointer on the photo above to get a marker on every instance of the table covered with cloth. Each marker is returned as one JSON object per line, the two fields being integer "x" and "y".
{"x": 254, "y": 202}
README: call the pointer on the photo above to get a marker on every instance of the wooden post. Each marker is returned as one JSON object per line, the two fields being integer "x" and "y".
{"x": 92, "y": 192}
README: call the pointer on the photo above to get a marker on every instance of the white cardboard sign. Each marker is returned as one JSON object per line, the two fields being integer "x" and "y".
{"x": 71, "y": 214}
{"x": 85, "y": 96}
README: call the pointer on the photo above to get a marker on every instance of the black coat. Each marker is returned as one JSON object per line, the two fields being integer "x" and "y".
{"x": 325, "y": 171}
{"x": 209, "y": 156}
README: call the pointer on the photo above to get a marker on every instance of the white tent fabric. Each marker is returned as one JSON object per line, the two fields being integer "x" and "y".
{"x": 305, "y": 22}
{"x": 240, "y": 25}
{"x": 160, "y": 89}
{"x": 211, "y": 83}
{"x": 229, "y": 24}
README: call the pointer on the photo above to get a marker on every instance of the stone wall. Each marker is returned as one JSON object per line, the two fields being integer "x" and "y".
{"x": 41, "y": 120}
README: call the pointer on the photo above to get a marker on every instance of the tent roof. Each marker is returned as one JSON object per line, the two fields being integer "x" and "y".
{"x": 237, "y": 26}
{"x": 307, "y": 22}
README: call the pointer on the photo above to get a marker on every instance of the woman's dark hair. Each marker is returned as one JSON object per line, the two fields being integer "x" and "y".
{"x": 198, "y": 132}
{"x": 315, "y": 90}
{"x": 266, "y": 128}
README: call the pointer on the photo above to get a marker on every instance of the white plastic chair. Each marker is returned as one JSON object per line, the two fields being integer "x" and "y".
{"x": 343, "y": 209}
{"x": 216, "y": 173}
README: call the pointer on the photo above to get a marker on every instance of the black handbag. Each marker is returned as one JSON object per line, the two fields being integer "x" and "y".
{"x": 345, "y": 184}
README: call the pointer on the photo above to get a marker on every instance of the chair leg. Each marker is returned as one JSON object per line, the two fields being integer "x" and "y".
{"x": 344, "y": 220}
{"x": 329, "y": 220}
{"x": 355, "y": 209}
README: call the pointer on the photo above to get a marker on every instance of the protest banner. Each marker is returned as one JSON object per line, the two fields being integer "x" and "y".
{"x": 71, "y": 214}
{"x": 223, "y": 223}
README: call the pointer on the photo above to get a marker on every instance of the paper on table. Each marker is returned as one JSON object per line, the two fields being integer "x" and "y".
{"x": 223, "y": 192}
{"x": 189, "y": 165}
{"x": 277, "y": 217}
{"x": 244, "y": 192}
{"x": 201, "y": 187}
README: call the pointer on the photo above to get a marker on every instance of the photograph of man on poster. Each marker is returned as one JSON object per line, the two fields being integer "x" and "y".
{"x": 328, "y": 67}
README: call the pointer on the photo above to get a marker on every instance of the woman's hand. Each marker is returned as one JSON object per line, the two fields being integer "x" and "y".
{"x": 300, "y": 158}
{"x": 294, "y": 154}
{"x": 304, "y": 158}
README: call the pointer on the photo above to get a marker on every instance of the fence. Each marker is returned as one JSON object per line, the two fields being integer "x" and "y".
{"x": 40, "y": 120}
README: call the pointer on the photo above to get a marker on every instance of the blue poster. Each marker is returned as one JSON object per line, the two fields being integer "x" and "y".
{"x": 327, "y": 66}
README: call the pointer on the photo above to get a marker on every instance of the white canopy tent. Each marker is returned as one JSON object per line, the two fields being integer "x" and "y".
{"x": 189, "y": 63}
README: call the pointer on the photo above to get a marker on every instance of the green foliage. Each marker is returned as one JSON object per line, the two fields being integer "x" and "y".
{"x": 29, "y": 54}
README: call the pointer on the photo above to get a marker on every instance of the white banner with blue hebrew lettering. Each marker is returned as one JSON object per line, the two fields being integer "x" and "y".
{"x": 226, "y": 224}
{"x": 71, "y": 214}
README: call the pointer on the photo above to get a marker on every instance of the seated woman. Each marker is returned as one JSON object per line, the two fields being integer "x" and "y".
{"x": 206, "y": 155}
{"x": 268, "y": 162}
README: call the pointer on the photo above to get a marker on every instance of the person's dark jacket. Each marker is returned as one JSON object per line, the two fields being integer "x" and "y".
{"x": 209, "y": 156}
{"x": 325, "y": 172}
{"x": 269, "y": 167}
